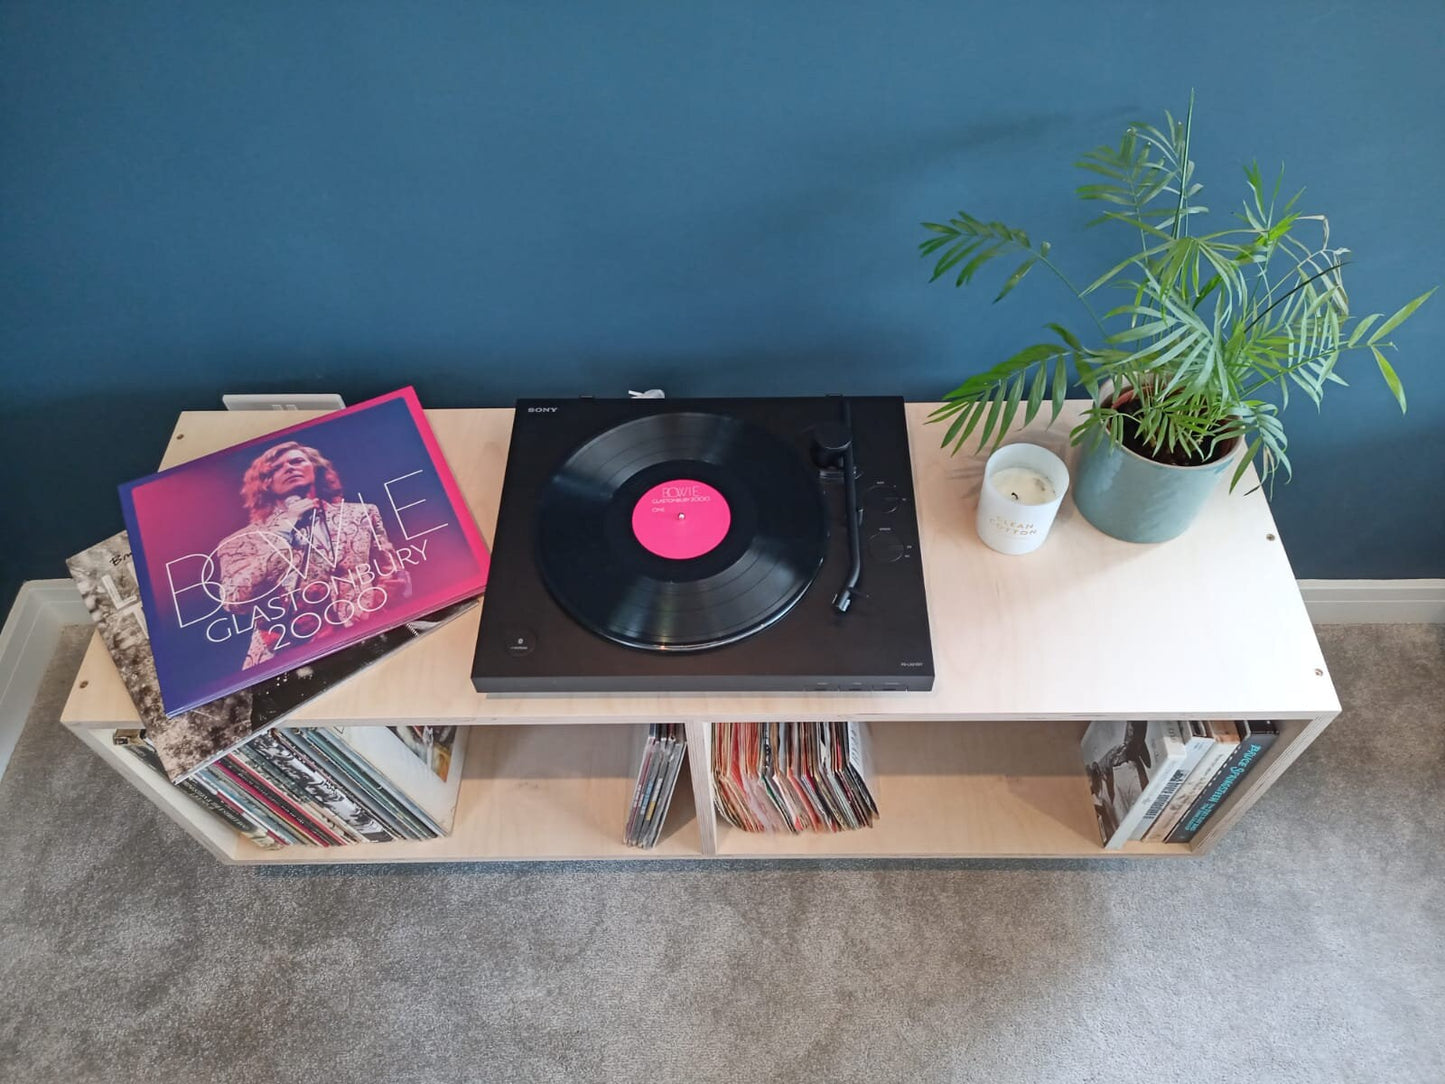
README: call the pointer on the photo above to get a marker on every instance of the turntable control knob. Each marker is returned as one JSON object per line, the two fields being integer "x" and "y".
{"x": 883, "y": 499}
{"x": 830, "y": 443}
{"x": 886, "y": 547}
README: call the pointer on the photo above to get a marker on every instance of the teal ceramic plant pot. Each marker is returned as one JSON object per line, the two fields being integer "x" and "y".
{"x": 1135, "y": 499}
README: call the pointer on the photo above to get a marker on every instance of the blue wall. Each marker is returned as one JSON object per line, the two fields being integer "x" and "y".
{"x": 496, "y": 199}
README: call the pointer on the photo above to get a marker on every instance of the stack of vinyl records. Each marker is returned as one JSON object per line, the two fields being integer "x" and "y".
{"x": 662, "y": 756}
{"x": 279, "y": 786}
{"x": 794, "y": 777}
{"x": 248, "y": 582}
{"x": 325, "y": 786}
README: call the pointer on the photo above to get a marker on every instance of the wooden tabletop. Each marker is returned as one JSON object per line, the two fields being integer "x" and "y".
{"x": 1209, "y": 625}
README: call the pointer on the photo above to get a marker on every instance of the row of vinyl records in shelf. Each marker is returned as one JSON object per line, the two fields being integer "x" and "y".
{"x": 330, "y": 786}
{"x": 338, "y": 786}
{"x": 326, "y": 786}
{"x": 1152, "y": 781}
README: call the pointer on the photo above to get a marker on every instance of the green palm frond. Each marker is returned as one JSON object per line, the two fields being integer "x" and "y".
{"x": 1212, "y": 318}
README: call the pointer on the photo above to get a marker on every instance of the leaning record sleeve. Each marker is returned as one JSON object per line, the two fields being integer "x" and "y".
{"x": 264, "y": 556}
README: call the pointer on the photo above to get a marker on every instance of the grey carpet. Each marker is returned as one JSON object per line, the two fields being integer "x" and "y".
{"x": 1310, "y": 946}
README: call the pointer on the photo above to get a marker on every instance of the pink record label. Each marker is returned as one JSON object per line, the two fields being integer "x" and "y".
{"x": 681, "y": 519}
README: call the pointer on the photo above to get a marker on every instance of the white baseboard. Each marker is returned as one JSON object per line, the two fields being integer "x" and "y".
{"x": 1374, "y": 602}
{"x": 32, "y": 631}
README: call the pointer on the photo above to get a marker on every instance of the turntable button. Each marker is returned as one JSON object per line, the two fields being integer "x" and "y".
{"x": 520, "y": 641}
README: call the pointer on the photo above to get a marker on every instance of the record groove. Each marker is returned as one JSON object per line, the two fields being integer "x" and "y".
{"x": 598, "y": 570}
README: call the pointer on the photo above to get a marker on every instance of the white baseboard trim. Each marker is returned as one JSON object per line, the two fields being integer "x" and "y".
{"x": 32, "y": 631}
{"x": 1374, "y": 602}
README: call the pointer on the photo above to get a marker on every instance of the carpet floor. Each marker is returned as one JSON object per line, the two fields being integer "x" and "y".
{"x": 1308, "y": 946}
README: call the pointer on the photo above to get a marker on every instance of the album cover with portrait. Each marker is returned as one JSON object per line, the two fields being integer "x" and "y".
{"x": 262, "y": 557}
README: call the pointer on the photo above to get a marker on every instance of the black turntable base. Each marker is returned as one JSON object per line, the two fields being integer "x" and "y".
{"x": 706, "y": 545}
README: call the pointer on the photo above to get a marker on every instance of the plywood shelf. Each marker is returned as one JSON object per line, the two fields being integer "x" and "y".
{"x": 527, "y": 793}
{"x": 1027, "y": 649}
{"x": 992, "y": 790}
{"x": 532, "y": 793}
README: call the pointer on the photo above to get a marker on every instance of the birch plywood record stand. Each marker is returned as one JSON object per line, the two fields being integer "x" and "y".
{"x": 1028, "y": 650}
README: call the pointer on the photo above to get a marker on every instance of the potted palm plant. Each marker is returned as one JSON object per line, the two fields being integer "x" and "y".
{"x": 1211, "y": 328}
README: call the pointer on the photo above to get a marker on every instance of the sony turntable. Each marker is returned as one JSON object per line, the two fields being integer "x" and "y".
{"x": 720, "y": 545}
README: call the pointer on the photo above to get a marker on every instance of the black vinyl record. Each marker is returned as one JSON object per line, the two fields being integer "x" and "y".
{"x": 618, "y": 551}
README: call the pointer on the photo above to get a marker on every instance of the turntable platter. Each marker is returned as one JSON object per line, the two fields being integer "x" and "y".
{"x": 681, "y": 531}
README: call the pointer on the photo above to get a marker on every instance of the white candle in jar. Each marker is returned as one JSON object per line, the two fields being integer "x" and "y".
{"x": 1023, "y": 486}
{"x": 1022, "y": 489}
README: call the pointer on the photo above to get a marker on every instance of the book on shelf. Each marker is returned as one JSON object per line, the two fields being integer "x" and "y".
{"x": 1255, "y": 739}
{"x": 274, "y": 553}
{"x": 1197, "y": 743}
{"x": 1129, "y": 764}
{"x": 794, "y": 776}
{"x": 663, "y": 751}
{"x": 1223, "y": 737}
{"x": 105, "y": 575}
